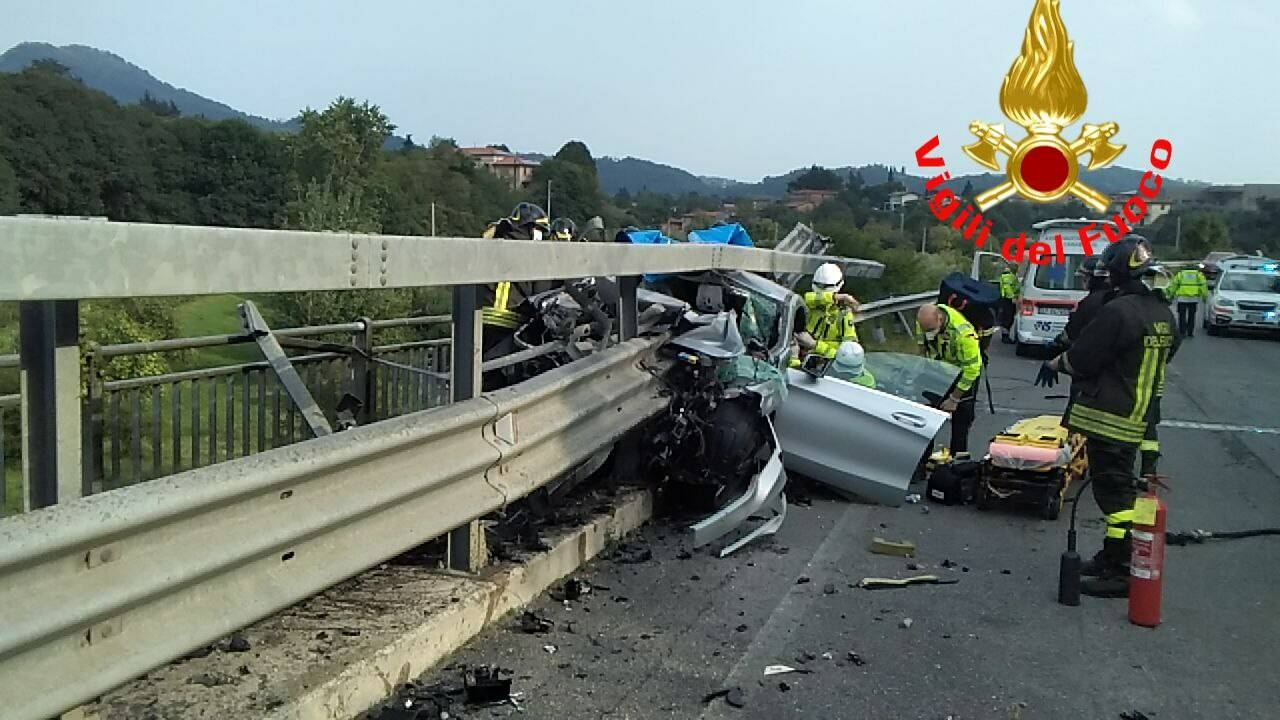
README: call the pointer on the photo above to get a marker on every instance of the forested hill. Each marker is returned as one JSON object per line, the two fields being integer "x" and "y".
{"x": 126, "y": 82}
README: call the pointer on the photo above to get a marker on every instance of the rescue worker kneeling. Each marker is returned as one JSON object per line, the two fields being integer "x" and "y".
{"x": 850, "y": 364}
{"x": 830, "y": 317}
{"x": 1118, "y": 362}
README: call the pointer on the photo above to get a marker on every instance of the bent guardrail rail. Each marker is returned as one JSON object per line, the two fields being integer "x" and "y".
{"x": 158, "y": 569}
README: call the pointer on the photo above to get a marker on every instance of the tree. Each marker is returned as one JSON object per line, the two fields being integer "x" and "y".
{"x": 336, "y": 183}
{"x": 575, "y": 190}
{"x": 159, "y": 107}
{"x": 576, "y": 151}
{"x": 1207, "y": 233}
{"x": 335, "y": 159}
{"x": 816, "y": 178}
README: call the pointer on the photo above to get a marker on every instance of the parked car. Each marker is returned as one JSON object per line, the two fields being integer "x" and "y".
{"x": 1247, "y": 296}
{"x": 1212, "y": 263}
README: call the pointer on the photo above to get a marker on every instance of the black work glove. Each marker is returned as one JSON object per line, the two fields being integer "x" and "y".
{"x": 1047, "y": 377}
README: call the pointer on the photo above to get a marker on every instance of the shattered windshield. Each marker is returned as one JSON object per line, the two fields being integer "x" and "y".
{"x": 910, "y": 377}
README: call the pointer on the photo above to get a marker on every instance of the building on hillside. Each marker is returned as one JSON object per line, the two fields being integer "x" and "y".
{"x": 805, "y": 201}
{"x": 1156, "y": 209}
{"x": 1238, "y": 197}
{"x": 516, "y": 171}
{"x": 899, "y": 200}
{"x": 678, "y": 226}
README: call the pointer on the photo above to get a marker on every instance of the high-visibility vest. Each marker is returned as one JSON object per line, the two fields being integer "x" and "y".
{"x": 1189, "y": 283}
{"x": 1009, "y": 286}
{"x": 829, "y": 323}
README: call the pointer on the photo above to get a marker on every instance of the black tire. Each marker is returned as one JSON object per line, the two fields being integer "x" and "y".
{"x": 1022, "y": 350}
{"x": 1213, "y": 330}
{"x": 981, "y": 498}
{"x": 1052, "y": 506}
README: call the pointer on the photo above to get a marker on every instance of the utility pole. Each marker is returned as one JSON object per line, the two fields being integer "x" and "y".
{"x": 1177, "y": 238}
{"x": 924, "y": 239}
{"x": 433, "y": 219}
{"x": 548, "y": 199}
{"x": 902, "y": 222}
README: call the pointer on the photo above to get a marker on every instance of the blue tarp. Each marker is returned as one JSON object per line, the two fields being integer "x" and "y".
{"x": 733, "y": 234}
{"x": 647, "y": 237}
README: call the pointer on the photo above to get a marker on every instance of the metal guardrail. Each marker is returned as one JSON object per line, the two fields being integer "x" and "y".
{"x": 66, "y": 259}
{"x": 894, "y": 305}
{"x": 158, "y": 569}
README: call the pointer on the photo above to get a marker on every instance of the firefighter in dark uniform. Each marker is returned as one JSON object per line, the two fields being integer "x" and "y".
{"x": 1100, "y": 291}
{"x": 499, "y": 302}
{"x": 1118, "y": 361}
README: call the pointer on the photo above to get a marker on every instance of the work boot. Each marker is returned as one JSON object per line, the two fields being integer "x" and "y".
{"x": 1113, "y": 584}
{"x": 1111, "y": 578}
{"x": 1094, "y": 566}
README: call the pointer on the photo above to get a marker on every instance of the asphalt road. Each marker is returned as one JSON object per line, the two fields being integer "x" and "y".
{"x": 668, "y": 631}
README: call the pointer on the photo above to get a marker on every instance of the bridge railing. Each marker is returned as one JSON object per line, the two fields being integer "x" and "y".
{"x": 99, "y": 589}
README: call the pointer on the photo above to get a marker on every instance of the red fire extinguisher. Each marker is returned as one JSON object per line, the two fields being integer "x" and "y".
{"x": 1146, "y": 564}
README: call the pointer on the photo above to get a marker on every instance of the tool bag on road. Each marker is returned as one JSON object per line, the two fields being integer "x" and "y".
{"x": 952, "y": 481}
{"x": 978, "y": 301}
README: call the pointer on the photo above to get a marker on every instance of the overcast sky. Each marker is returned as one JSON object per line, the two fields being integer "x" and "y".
{"x": 735, "y": 88}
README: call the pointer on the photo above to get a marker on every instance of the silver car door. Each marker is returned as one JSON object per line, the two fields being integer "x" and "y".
{"x": 861, "y": 441}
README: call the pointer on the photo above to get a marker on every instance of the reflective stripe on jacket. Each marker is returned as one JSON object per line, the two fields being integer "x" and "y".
{"x": 1118, "y": 363}
{"x": 957, "y": 344}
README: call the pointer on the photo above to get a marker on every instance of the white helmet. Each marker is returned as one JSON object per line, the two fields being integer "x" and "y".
{"x": 850, "y": 359}
{"x": 828, "y": 278}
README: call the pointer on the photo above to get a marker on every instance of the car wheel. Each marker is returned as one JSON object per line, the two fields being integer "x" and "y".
{"x": 1022, "y": 349}
{"x": 1213, "y": 330}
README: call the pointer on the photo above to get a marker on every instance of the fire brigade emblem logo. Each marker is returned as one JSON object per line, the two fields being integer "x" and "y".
{"x": 1043, "y": 92}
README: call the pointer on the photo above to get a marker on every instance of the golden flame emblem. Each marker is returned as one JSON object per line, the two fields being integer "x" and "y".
{"x": 1043, "y": 92}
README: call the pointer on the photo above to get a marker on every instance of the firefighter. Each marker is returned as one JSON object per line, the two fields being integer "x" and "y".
{"x": 830, "y": 315}
{"x": 1119, "y": 362}
{"x": 499, "y": 302}
{"x": 1095, "y": 278}
{"x": 1188, "y": 288}
{"x": 850, "y": 364}
{"x": 564, "y": 230}
{"x": 1010, "y": 289}
{"x": 944, "y": 334}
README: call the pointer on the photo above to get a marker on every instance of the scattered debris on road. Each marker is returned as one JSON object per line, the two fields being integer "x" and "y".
{"x": 533, "y": 624}
{"x": 485, "y": 684}
{"x": 1134, "y": 715}
{"x": 912, "y": 498}
{"x": 906, "y": 623}
{"x": 829, "y": 589}
{"x": 856, "y": 659}
{"x": 873, "y": 583}
{"x": 782, "y": 670}
{"x": 211, "y": 679}
{"x": 803, "y": 579}
{"x": 900, "y": 548}
{"x": 238, "y": 644}
{"x": 632, "y": 554}
{"x": 736, "y": 698}
{"x": 549, "y": 649}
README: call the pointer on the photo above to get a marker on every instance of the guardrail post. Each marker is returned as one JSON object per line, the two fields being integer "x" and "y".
{"x": 49, "y": 351}
{"x": 466, "y": 544}
{"x": 627, "y": 307}
{"x": 362, "y": 379}
{"x": 906, "y": 326}
{"x": 93, "y": 431}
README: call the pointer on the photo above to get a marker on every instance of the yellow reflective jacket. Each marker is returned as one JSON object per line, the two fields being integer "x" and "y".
{"x": 1188, "y": 283}
{"x": 1009, "y": 285}
{"x": 957, "y": 344}
{"x": 829, "y": 323}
